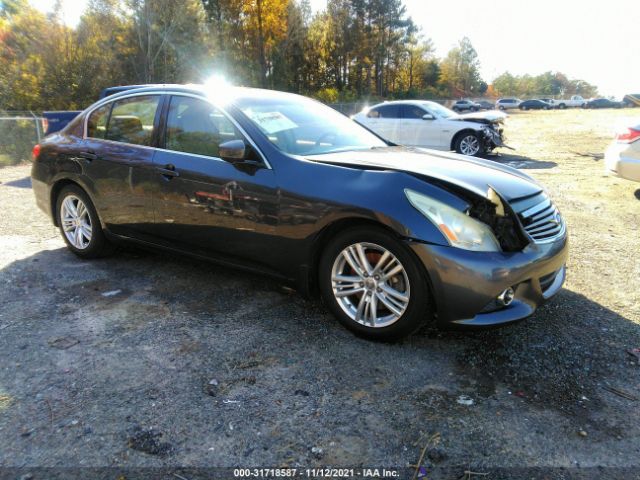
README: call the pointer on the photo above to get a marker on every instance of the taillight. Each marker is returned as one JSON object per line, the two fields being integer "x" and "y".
{"x": 35, "y": 153}
{"x": 629, "y": 135}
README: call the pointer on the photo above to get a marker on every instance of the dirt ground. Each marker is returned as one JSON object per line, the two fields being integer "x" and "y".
{"x": 149, "y": 360}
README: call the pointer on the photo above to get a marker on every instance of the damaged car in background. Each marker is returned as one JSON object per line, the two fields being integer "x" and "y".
{"x": 391, "y": 237}
{"x": 428, "y": 124}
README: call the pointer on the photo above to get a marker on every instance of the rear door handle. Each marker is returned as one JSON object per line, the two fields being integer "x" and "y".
{"x": 89, "y": 156}
{"x": 168, "y": 171}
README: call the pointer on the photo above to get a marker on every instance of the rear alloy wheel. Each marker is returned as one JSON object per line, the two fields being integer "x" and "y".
{"x": 75, "y": 222}
{"x": 79, "y": 224}
{"x": 373, "y": 284}
{"x": 468, "y": 144}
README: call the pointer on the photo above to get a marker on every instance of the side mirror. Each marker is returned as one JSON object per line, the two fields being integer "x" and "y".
{"x": 232, "y": 151}
{"x": 428, "y": 116}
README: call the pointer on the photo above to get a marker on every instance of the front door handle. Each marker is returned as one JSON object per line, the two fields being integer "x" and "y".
{"x": 168, "y": 171}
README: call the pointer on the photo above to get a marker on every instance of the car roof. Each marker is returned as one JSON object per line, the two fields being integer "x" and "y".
{"x": 201, "y": 90}
{"x": 403, "y": 102}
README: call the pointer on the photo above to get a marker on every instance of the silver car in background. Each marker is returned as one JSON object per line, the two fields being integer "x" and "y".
{"x": 622, "y": 158}
{"x": 508, "y": 103}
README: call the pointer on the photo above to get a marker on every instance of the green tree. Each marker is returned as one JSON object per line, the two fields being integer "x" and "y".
{"x": 169, "y": 40}
{"x": 460, "y": 70}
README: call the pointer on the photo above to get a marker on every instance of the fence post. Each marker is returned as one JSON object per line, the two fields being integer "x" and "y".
{"x": 38, "y": 126}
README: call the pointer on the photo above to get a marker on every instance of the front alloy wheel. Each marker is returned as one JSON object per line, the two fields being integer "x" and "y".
{"x": 374, "y": 284}
{"x": 370, "y": 285}
{"x": 468, "y": 144}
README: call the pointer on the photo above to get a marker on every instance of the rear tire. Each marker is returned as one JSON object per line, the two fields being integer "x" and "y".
{"x": 80, "y": 225}
{"x": 384, "y": 303}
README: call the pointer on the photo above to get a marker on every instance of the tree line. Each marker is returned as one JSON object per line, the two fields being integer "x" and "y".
{"x": 353, "y": 49}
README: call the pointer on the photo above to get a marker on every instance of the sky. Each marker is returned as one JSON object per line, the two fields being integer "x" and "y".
{"x": 594, "y": 40}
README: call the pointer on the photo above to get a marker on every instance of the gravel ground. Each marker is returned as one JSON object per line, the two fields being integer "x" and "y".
{"x": 149, "y": 360}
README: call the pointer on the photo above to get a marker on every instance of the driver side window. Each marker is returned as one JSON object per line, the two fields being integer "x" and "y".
{"x": 195, "y": 126}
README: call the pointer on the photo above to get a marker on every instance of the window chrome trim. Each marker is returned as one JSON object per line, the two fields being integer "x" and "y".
{"x": 216, "y": 159}
{"x": 107, "y": 100}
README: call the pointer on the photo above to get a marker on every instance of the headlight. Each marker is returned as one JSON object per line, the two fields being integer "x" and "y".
{"x": 459, "y": 229}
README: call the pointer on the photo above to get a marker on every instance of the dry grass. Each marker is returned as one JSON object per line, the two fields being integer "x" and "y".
{"x": 564, "y": 150}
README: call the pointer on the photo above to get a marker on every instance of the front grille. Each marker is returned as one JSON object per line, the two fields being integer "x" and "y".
{"x": 540, "y": 218}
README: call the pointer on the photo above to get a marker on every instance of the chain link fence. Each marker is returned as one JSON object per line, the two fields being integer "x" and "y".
{"x": 19, "y": 132}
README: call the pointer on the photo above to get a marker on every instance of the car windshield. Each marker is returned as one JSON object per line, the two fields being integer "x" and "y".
{"x": 301, "y": 126}
{"x": 439, "y": 110}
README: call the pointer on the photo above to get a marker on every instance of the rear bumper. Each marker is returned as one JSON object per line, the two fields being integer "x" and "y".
{"x": 42, "y": 192}
{"x": 465, "y": 284}
{"x": 618, "y": 161}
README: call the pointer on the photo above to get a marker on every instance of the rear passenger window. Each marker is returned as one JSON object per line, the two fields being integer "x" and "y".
{"x": 132, "y": 120}
{"x": 97, "y": 122}
{"x": 196, "y": 126}
{"x": 385, "y": 111}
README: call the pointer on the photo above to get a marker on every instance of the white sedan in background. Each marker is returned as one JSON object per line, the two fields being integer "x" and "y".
{"x": 622, "y": 158}
{"x": 427, "y": 124}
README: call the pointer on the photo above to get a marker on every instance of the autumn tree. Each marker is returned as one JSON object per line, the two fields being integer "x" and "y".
{"x": 348, "y": 51}
{"x": 168, "y": 40}
{"x": 460, "y": 70}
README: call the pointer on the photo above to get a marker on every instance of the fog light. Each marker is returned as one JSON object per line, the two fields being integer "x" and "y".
{"x": 506, "y": 297}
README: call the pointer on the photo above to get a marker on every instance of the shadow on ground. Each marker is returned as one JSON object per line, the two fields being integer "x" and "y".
{"x": 519, "y": 161}
{"x": 216, "y": 367}
{"x": 21, "y": 183}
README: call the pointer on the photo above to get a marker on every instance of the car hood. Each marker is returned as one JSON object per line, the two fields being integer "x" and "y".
{"x": 492, "y": 116}
{"x": 474, "y": 175}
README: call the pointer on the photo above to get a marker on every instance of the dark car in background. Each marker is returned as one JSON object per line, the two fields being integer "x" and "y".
{"x": 485, "y": 105}
{"x": 282, "y": 185}
{"x": 535, "y": 105}
{"x": 603, "y": 103}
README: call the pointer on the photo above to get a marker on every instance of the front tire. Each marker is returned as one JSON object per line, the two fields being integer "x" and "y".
{"x": 468, "y": 143}
{"x": 79, "y": 224}
{"x": 373, "y": 284}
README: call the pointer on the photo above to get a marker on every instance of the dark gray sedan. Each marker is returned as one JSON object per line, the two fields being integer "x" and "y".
{"x": 282, "y": 185}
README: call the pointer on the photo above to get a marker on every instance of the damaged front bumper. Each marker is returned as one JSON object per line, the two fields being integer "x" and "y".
{"x": 493, "y": 137}
{"x": 466, "y": 284}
